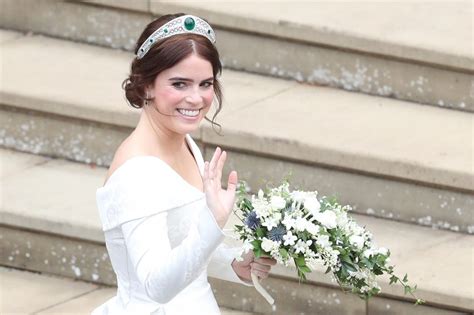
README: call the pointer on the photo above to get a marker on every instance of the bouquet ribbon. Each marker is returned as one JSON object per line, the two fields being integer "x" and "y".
{"x": 261, "y": 289}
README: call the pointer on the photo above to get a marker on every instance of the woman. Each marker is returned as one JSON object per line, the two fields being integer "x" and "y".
{"x": 162, "y": 208}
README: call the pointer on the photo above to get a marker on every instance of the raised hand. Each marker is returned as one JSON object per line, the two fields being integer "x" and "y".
{"x": 219, "y": 201}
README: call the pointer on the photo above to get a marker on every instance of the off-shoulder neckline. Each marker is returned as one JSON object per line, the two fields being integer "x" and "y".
{"x": 152, "y": 157}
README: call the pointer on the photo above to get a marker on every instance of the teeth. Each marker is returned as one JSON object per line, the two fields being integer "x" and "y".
{"x": 190, "y": 113}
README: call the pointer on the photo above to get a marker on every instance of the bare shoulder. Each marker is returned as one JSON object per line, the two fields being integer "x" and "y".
{"x": 127, "y": 149}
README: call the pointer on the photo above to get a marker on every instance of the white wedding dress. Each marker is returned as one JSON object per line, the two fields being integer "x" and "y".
{"x": 162, "y": 240}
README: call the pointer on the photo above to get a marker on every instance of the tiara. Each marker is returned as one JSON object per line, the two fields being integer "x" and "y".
{"x": 180, "y": 25}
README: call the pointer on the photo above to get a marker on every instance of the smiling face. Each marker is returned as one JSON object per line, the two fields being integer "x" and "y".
{"x": 185, "y": 93}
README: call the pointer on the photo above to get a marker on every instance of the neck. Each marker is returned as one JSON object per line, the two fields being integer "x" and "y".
{"x": 157, "y": 138}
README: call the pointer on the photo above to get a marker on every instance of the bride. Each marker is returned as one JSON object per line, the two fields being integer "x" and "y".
{"x": 162, "y": 207}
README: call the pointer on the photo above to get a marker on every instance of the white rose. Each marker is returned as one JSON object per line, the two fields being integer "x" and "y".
{"x": 323, "y": 241}
{"x": 357, "y": 241}
{"x": 300, "y": 224}
{"x": 342, "y": 219}
{"x": 326, "y": 218}
{"x": 267, "y": 244}
{"x": 312, "y": 204}
{"x": 277, "y": 202}
{"x": 312, "y": 228}
{"x": 298, "y": 195}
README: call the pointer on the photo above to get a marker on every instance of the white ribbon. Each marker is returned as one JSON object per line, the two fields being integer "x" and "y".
{"x": 261, "y": 289}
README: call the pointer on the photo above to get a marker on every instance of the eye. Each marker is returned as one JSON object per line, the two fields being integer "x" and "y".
{"x": 179, "y": 85}
{"x": 207, "y": 84}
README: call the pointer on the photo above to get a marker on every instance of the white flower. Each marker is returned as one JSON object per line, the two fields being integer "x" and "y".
{"x": 260, "y": 194}
{"x": 247, "y": 246}
{"x": 326, "y": 218}
{"x": 357, "y": 241}
{"x": 342, "y": 219}
{"x": 277, "y": 202}
{"x": 312, "y": 205}
{"x": 302, "y": 246}
{"x": 312, "y": 228}
{"x": 383, "y": 251}
{"x": 298, "y": 195}
{"x": 289, "y": 239}
{"x": 300, "y": 224}
{"x": 261, "y": 207}
{"x": 368, "y": 252}
{"x": 355, "y": 229}
{"x": 323, "y": 241}
{"x": 268, "y": 245}
{"x": 272, "y": 221}
{"x": 288, "y": 222}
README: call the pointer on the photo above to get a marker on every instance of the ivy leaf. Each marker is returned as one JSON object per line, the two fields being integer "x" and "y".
{"x": 393, "y": 279}
{"x": 405, "y": 278}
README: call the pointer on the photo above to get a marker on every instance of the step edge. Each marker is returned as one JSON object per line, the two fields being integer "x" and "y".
{"x": 244, "y": 141}
{"x": 337, "y": 39}
{"x": 317, "y": 277}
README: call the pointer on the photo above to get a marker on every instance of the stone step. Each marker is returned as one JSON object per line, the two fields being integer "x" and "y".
{"x": 396, "y": 50}
{"x": 50, "y": 224}
{"x": 48, "y": 294}
{"x": 385, "y": 157}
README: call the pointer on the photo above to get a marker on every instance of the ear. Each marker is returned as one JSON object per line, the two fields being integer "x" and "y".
{"x": 149, "y": 91}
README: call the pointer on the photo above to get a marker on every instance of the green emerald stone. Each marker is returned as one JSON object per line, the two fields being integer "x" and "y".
{"x": 189, "y": 23}
{"x": 165, "y": 30}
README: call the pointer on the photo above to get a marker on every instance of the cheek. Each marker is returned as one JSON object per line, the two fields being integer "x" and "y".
{"x": 208, "y": 96}
{"x": 169, "y": 96}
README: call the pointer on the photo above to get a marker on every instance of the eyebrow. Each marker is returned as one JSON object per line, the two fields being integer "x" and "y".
{"x": 189, "y": 80}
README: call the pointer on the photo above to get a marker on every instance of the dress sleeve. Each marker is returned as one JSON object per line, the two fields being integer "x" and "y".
{"x": 162, "y": 270}
{"x": 220, "y": 265}
{"x": 142, "y": 197}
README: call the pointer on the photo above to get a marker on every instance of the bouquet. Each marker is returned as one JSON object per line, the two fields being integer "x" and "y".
{"x": 297, "y": 226}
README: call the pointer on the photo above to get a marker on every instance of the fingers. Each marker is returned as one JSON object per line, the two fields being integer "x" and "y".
{"x": 205, "y": 176}
{"x": 259, "y": 270}
{"x": 232, "y": 182}
{"x": 213, "y": 163}
{"x": 266, "y": 261}
{"x": 220, "y": 166}
{"x": 260, "y": 267}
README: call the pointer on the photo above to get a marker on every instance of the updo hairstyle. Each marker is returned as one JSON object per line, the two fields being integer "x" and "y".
{"x": 165, "y": 54}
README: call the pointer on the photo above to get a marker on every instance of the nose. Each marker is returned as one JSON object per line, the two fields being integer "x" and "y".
{"x": 194, "y": 97}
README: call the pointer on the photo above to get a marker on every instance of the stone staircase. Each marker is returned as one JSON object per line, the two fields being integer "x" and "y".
{"x": 407, "y": 169}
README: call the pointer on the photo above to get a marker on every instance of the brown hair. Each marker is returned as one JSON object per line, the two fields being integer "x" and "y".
{"x": 164, "y": 55}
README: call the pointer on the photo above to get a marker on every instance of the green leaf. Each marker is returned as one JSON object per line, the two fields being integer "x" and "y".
{"x": 283, "y": 253}
{"x": 299, "y": 261}
{"x": 405, "y": 278}
{"x": 257, "y": 252}
{"x": 260, "y": 232}
{"x": 304, "y": 269}
{"x": 393, "y": 279}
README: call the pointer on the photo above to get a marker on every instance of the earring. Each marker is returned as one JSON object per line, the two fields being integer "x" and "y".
{"x": 146, "y": 99}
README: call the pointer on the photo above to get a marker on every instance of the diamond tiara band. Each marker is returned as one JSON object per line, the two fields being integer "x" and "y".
{"x": 180, "y": 25}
